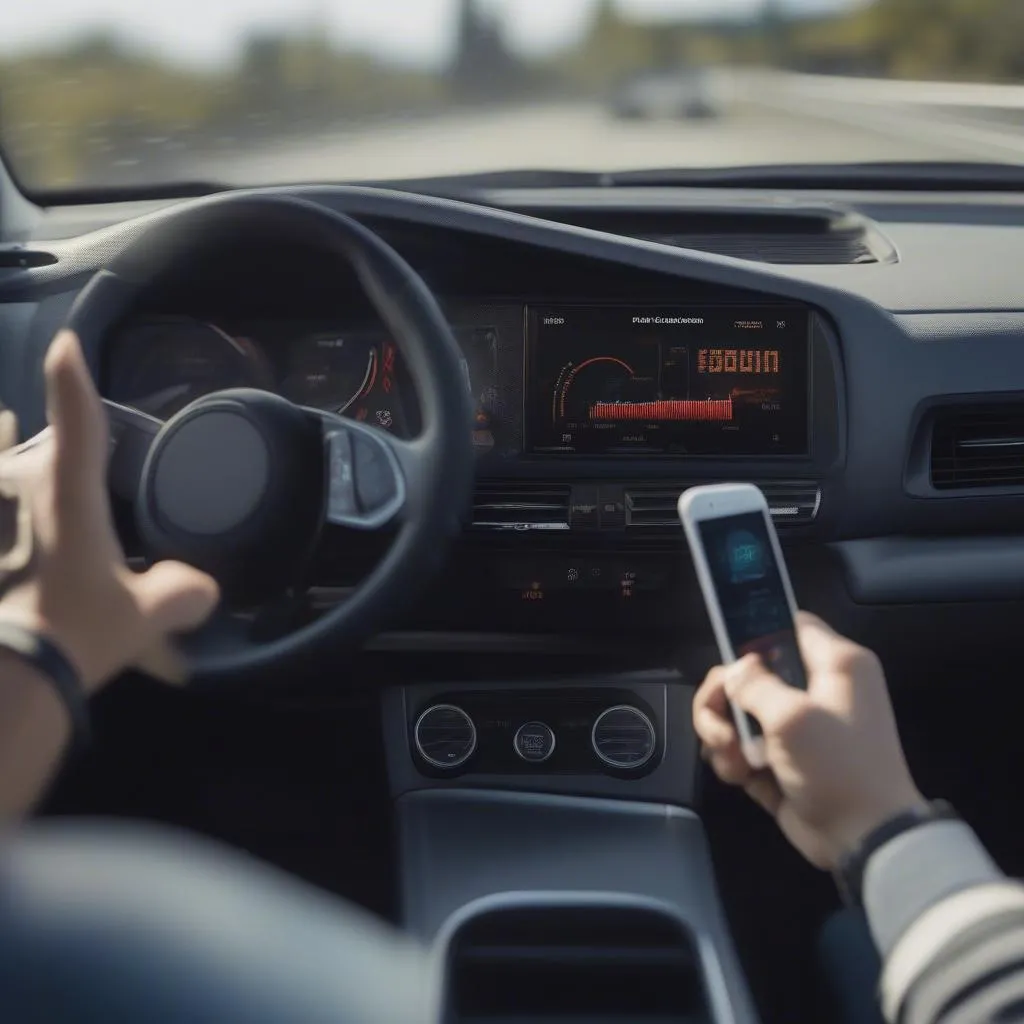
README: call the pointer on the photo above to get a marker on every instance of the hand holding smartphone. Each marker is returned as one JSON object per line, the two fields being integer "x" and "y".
{"x": 746, "y": 588}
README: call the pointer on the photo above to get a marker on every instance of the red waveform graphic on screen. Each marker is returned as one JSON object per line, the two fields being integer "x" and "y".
{"x": 710, "y": 410}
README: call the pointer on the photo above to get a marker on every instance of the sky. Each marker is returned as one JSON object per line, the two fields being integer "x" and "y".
{"x": 420, "y": 31}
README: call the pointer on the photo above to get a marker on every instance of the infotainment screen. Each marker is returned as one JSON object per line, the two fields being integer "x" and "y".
{"x": 711, "y": 380}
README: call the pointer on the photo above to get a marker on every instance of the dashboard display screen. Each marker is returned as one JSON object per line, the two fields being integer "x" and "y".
{"x": 716, "y": 380}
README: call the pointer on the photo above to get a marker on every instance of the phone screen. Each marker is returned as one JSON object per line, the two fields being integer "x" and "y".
{"x": 751, "y": 594}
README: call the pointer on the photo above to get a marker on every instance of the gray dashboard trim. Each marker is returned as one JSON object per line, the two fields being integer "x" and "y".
{"x": 926, "y": 570}
{"x": 466, "y": 852}
{"x": 95, "y": 249}
{"x": 974, "y": 327}
{"x": 957, "y": 249}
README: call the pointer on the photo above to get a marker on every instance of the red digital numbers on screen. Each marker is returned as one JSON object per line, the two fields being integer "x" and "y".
{"x": 738, "y": 360}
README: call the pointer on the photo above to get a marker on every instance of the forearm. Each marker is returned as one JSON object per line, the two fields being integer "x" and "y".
{"x": 34, "y": 730}
{"x": 949, "y": 926}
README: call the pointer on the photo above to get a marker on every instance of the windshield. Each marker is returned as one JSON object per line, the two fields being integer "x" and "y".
{"x": 113, "y": 93}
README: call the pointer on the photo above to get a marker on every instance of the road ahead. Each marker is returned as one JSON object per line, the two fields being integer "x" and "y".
{"x": 778, "y": 125}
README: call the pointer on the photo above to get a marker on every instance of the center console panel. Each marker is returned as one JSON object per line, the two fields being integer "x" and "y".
{"x": 628, "y": 736}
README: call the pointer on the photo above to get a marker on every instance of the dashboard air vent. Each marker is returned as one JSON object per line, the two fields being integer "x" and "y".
{"x": 653, "y": 509}
{"x": 521, "y": 507}
{"x": 979, "y": 446}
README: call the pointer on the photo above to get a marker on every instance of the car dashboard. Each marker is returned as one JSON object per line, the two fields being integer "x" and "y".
{"x": 859, "y": 356}
{"x": 873, "y": 397}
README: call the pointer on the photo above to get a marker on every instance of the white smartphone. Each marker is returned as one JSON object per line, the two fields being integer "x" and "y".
{"x": 746, "y": 588}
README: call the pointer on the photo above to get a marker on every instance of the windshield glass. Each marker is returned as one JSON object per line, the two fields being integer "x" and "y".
{"x": 111, "y": 93}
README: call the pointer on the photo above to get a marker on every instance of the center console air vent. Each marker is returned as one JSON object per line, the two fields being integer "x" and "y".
{"x": 555, "y": 964}
{"x": 653, "y": 509}
{"x": 801, "y": 237}
{"x": 978, "y": 446}
{"x": 521, "y": 507}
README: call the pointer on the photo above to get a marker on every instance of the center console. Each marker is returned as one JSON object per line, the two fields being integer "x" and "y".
{"x": 561, "y": 909}
{"x": 547, "y": 849}
{"x": 549, "y": 844}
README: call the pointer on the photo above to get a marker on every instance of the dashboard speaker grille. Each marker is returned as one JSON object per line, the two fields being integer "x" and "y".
{"x": 521, "y": 507}
{"x": 975, "y": 447}
{"x": 653, "y": 509}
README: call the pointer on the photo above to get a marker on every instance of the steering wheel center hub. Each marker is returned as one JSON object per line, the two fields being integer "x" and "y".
{"x": 221, "y": 454}
{"x": 235, "y": 484}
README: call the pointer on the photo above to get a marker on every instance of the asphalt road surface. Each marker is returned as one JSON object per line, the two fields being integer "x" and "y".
{"x": 780, "y": 126}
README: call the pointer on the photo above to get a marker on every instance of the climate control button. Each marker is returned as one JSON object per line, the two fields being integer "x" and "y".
{"x": 534, "y": 742}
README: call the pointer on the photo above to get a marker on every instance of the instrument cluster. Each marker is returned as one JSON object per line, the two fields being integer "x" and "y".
{"x": 159, "y": 364}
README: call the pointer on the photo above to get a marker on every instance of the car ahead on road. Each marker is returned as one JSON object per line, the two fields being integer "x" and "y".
{"x": 680, "y": 93}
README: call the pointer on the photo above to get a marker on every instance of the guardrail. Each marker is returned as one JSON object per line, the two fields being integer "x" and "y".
{"x": 892, "y": 91}
{"x": 950, "y": 120}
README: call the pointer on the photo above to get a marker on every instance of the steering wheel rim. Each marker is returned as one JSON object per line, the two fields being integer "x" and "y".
{"x": 436, "y": 467}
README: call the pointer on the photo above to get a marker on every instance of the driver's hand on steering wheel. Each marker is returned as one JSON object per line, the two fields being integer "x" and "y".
{"x": 836, "y": 769}
{"x": 77, "y": 590}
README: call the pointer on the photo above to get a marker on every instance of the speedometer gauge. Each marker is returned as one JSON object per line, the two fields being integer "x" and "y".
{"x": 159, "y": 366}
{"x": 332, "y": 371}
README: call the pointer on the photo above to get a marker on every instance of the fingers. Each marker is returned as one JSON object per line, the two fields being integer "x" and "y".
{"x": 174, "y": 597}
{"x": 814, "y": 621}
{"x": 751, "y": 687}
{"x": 8, "y": 429}
{"x": 164, "y": 662}
{"x": 78, "y": 419}
{"x": 762, "y": 788}
{"x": 712, "y": 720}
{"x": 818, "y": 642}
{"x": 729, "y": 764}
{"x": 712, "y": 717}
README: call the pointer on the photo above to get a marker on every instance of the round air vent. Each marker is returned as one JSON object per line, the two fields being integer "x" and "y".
{"x": 623, "y": 737}
{"x": 445, "y": 736}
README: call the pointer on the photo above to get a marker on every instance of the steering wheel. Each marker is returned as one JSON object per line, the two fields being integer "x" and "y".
{"x": 241, "y": 483}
